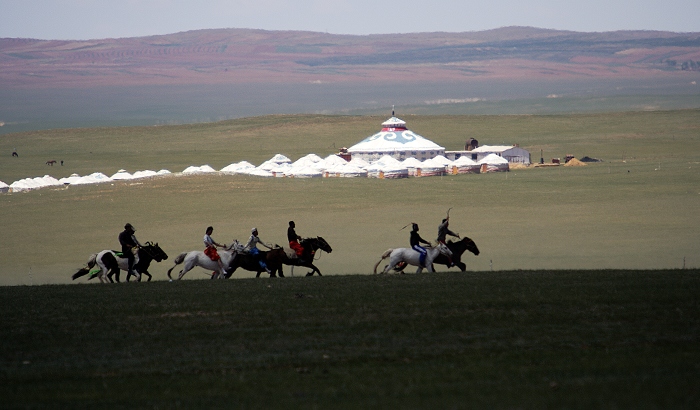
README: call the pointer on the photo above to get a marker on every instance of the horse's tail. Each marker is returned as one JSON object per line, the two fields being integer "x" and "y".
{"x": 384, "y": 256}
{"x": 84, "y": 271}
{"x": 178, "y": 260}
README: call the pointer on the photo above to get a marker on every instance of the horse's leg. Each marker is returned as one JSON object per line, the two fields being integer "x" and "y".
{"x": 189, "y": 264}
{"x": 147, "y": 274}
{"x": 462, "y": 266}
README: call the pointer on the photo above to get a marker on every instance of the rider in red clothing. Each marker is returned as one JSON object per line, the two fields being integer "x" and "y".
{"x": 293, "y": 239}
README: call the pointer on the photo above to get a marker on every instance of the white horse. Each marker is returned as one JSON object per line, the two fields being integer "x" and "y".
{"x": 412, "y": 257}
{"x": 198, "y": 258}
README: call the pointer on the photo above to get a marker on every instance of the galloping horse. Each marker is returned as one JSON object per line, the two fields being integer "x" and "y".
{"x": 412, "y": 257}
{"x": 251, "y": 263}
{"x": 109, "y": 263}
{"x": 198, "y": 258}
{"x": 457, "y": 248}
{"x": 310, "y": 245}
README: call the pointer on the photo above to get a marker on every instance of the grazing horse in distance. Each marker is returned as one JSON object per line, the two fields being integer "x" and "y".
{"x": 52, "y": 162}
{"x": 412, "y": 257}
{"x": 110, "y": 264}
{"x": 310, "y": 245}
{"x": 457, "y": 248}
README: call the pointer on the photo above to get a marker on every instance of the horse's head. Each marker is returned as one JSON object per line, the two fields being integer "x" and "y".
{"x": 444, "y": 249}
{"x": 235, "y": 247}
{"x": 323, "y": 245}
{"x": 156, "y": 252}
{"x": 469, "y": 245}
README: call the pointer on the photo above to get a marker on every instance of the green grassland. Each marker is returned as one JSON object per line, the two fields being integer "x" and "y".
{"x": 561, "y": 310}
{"x": 526, "y": 339}
{"x": 636, "y": 210}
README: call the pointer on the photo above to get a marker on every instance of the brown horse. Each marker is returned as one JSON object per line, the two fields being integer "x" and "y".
{"x": 310, "y": 245}
{"x": 53, "y": 161}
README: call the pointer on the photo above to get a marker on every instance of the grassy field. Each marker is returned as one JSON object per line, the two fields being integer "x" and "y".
{"x": 636, "y": 210}
{"x": 533, "y": 339}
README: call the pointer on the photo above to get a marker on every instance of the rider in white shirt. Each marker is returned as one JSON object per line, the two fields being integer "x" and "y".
{"x": 252, "y": 248}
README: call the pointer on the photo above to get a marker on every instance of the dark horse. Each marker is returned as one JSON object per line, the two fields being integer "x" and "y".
{"x": 107, "y": 260}
{"x": 310, "y": 245}
{"x": 457, "y": 248}
{"x": 251, "y": 263}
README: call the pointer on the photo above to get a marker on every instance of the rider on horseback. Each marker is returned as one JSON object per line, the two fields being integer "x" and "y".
{"x": 252, "y": 248}
{"x": 416, "y": 240}
{"x": 130, "y": 245}
{"x": 293, "y": 239}
{"x": 443, "y": 231}
{"x": 210, "y": 247}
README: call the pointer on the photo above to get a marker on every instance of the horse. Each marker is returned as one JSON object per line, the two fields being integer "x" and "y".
{"x": 252, "y": 263}
{"x": 412, "y": 257}
{"x": 310, "y": 245}
{"x": 110, "y": 264}
{"x": 198, "y": 258}
{"x": 457, "y": 248}
{"x": 51, "y": 162}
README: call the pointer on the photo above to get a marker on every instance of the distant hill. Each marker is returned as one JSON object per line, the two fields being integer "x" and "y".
{"x": 240, "y": 56}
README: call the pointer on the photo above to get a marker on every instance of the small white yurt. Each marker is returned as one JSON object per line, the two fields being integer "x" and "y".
{"x": 397, "y": 141}
{"x": 430, "y": 168}
{"x": 494, "y": 163}
{"x": 121, "y": 174}
{"x": 4, "y": 187}
{"x": 464, "y": 165}
{"x": 237, "y": 167}
{"x": 411, "y": 164}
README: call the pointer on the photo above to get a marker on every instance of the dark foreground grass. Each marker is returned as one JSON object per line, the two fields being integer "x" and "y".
{"x": 551, "y": 339}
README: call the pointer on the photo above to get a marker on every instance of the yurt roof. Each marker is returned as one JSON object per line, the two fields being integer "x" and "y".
{"x": 493, "y": 159}
{"x": 389, "y": 140}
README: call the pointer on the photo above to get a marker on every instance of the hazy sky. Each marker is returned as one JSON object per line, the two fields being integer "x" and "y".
{"x": 92, "y": 19}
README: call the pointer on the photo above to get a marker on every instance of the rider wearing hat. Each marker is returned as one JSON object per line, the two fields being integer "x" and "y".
{"x": 416, "y": 240}
{"x": 252, "y": 248}
{"x": 443, "y": 231}
{"x": 130, "y": 245}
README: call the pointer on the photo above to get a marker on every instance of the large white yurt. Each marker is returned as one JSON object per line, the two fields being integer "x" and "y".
{"x": 397, "y": 141}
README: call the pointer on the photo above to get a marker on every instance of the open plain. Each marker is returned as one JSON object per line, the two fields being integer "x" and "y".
{"x": 584, "y": 294}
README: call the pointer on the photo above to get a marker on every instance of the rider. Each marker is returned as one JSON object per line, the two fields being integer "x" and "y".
{"x": 416, "y": 240}
{"x": 294, "y": 239}
{"x": 443, "y": 231}
{"x": 210, "y": 247}
{"x": 252, "y": 248}
{"x": 129, "y": 244}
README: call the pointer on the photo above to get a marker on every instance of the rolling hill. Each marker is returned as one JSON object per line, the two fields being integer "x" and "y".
{"x": 243, "y": 56}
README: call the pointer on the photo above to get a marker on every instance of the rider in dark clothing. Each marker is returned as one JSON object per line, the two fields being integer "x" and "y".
{"x": 294, "y": 239}
{"x": 128, "y": 241}
{"x": 415, "y": 241}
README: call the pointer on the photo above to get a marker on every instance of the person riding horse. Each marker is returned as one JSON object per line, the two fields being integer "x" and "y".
{"x": 443, "y": 231}
{"x": 210, "y": 247}
{"x": 415, "y": 241}
{"x": 294, "y": 239}
{"x": 252, "y": 248}
{"x": 129, "y": 245}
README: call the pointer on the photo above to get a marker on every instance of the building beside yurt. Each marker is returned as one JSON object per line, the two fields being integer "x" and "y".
{"x": 397, "y": 141}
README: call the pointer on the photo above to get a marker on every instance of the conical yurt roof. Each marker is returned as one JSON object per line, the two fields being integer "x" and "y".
{"x": 394, "y": 136}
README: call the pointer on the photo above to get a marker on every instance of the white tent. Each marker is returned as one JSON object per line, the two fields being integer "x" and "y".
{"x": 494, "y": 163}
{"x": 237, "y": 167}
{"x": 396, "y": 140}
{"x": 303, "y": 172}
{"x": 4, "y": 187}
{"x": 430, "y": 167}
{"x": 511, "y": 153}
{"x": 204, "y": 169}
{"x": 464, "y": 165}
{"x": 121, "y": 174}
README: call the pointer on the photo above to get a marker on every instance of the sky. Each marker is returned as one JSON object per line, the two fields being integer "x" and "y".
{"x": 97, "y": 19}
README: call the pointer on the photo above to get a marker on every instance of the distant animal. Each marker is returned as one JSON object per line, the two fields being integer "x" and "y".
{"x": 110, "y": 264}
{"x": 198, "y": 258}
{"x": 310, "y": 245}
{"x": 51, "y": 162}
{"x": 412, "y": 257}
{"x": 457, "y": 248}
{"x": 15, "y": 154}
